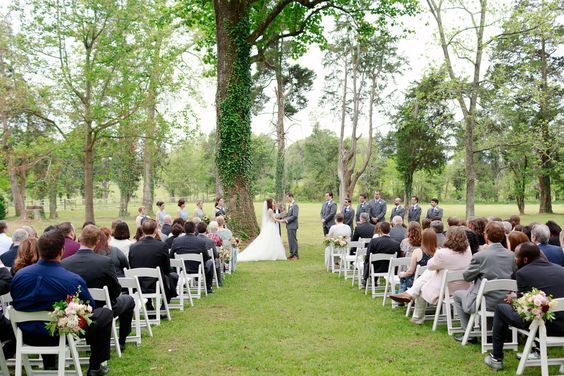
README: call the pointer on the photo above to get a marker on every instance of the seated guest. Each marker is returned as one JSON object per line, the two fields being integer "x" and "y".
{"x": 37, "y": 287}
{"x": 412, "y": 241}
{"x": 438, "y": 227}
{"x": 398, "y": 231}
{"x": 478, "y": 225}
{"x": 540, "y": 235}
{"x": 149, "y": 252}
{"x": 515, "y": 220}
{"x": 363, "y": 230}
{"x": 120, "y": 238}
{"x": 224, "y": 233}
{"x": 212, "y": 234}
{"x": 5, "y": 240}
{"x": 30, "y": 231}
{"x": 533, "y": 272}
{"x": 202, "y": 230}
{"x": 114, "y": 253}
{"x": 6, "y": 333}
{"x": 339, "y": 228}
{"x": 555, "y": 231}
{"x": 382, "y": 244}
{"x": 515, "y": 238}
{"x": 496, "y": 262}
{"x": 9, "y": 257}
{"x": 71, "y": 245}
{"x": 453, "y": 221}
{"x": 455, "y": 255}
{"x": 425, "y": 223}
{"x": 99, "y": 271}
{"x": 190, "y": 243}
{"x": 167, "y": 225}
{"x": 28, "y": 254}
{"x": 472, "y": 239}
{"x": 420, "y": 256}
{"x": 175, "y": 232}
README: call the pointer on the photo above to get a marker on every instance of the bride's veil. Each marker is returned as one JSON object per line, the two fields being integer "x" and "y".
{"x": 264, "y": 215}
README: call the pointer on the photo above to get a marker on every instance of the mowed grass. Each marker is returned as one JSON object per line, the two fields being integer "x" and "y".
{"x": 294, "y": 318}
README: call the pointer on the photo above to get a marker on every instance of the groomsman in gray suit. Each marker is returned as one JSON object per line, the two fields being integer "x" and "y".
{"x": 291, "y": 221}
{"x": 398, "y": 209}
{"x": 363, "y": 206}
{"x": 328, "y": 211}
{"x": 377, "y": 209}
{"x": 414, "y": 213}
{"x": 348, "y": 214}
{"x": 434, "y": 210}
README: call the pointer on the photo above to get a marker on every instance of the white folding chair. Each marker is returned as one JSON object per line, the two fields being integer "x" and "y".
{"x": 348, "y": 260}
{"x": 134, "y": 290}
{"x": 537, "y": 333}
{"x": 478, "y": 322}
{"x": 335, "y": 253}
{"x": 215, "y": 279}
{"x": 418, "y": 272}
{"x": 183, "y": 286}
{"x": 66, "y": 343}
{"x": 5, "y": 301}
{"x": 198, "y": 278}
{"x": 393, "y": 279}
{"x": 445, "y": 302}
{"x": 103, "y": 295}
{"x": 158, "y": 295}
{"x": 373, "y": 277}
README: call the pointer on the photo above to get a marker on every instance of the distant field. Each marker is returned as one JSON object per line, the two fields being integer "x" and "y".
{"x": 310, "y": 227}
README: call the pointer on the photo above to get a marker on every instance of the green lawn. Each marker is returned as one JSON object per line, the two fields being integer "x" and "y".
{"x": 294, "y": 318}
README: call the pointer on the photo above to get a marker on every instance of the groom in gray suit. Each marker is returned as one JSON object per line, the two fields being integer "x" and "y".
{"x": 291, "y": 221}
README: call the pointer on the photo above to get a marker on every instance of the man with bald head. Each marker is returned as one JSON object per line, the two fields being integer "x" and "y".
{"x": 397, "y": 210}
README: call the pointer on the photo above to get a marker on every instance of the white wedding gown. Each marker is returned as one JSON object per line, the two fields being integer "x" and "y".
{"x": 268, "y": 244}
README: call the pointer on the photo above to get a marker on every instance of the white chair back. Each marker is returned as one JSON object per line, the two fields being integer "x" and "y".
{"x": 103, "y": 295}
{"x": 158, "y": 295}
{"x": 200, "y": 275}
{"x": 392, "y": 279}
{"x": 134, "y": 290}
{"x": 445, "y": 301}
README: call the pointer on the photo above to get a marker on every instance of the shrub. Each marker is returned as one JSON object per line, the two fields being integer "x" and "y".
{"x": 3, "y": 208}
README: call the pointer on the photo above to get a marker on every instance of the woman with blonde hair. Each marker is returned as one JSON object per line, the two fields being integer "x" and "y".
{"x": 199, "y": 211}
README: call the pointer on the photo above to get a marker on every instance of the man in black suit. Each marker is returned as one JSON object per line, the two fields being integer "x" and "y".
{"x": 190, "y": 243}
{"x": 348, "y": 213}
{"x": 167, "y": 225}
{"x": 6, "y": 333}
{"x": 377, "y": 208}
{"x": 534, "y": 272}
{"x": 149, "y": 252}
{"x": 328, "y": 212}
{"x": 202, "y": 229}
{"x": 98, "y": 271}
{"x": 363, "y": 206}
{"x": 382, "y": 244}
{"x": 363, "y": 230}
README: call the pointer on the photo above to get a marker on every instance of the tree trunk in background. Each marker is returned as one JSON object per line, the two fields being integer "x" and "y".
{"x": 124, "y": 198}
{"x": 19, "y": 202}
{"x": 148, "y": 152}
{"x": 53, "y": 200}
{"x": 279, "y": 181}
{"x": 546, "y": 141}
{"x": 233, "y": 105}
{"x": 88, "y": 179}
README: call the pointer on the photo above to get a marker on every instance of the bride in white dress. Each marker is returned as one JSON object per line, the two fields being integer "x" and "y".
{"x": 268, "y": 244}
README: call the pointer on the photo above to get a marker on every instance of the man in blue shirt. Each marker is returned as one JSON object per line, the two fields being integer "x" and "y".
{"x": 37, "y": 287}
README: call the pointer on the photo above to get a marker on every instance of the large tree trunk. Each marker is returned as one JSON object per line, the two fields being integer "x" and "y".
{"x": 149, "y": 151}
{"x": 279, "y": 180}
{"x": 123, "y": 203}
{"x": 17, "y": 194}
{"x": 233, "y": 104}
{"x": 544, "y": 150}
{"x": 89, "y": 179}
{"x": 469, "y": 164}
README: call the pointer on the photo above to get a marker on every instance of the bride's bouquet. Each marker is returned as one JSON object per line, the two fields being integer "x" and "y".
{"x": 535, "y": 305}
{"x": 225, "y": 254}
{"x": 327, "y": 241}
{"x": 340, "y": 242}
{"x": 69, "y": 316}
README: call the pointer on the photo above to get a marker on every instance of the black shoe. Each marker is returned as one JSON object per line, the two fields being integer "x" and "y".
{"x": 210, "y": 290}
{"x": 122, "y": 347}
{"x": 470, "y": 339}
{"x": 103, "y": 370}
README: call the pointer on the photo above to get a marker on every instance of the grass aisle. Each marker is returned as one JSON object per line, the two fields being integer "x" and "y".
{"x": 294, "y": 318}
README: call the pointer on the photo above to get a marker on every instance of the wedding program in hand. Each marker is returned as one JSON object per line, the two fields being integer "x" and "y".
{"x": 268, "y": 244}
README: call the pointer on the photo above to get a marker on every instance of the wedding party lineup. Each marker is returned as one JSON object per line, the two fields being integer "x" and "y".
{"x": 281, "y": 187}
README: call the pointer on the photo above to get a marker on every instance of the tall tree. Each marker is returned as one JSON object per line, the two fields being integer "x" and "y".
{"x": 360, "y": 67}
{"x": 423, "y": 121}
{"x": 527, "y": 71}
{"x": 241, "y": 25}
{"x": 468, "y": 44}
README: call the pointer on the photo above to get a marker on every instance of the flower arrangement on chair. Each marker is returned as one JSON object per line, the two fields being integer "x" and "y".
{"x": 535, "y": 305}
{"x": 69, "y": 316}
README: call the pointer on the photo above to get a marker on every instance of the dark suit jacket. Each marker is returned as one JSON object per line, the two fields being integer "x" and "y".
{"x": 150, "y": 253}
{"x": 553, "y": 253}
{"x": 165, "y": 229}
{"x": 190, "y": 243}
{"x": 348, "y": 213}
{"x": 398, "y": 233}
{"x": 9, "y": 256}
{"x": 362, "y": 208}
{"x": 97, "y": 270}
{"x": 414, "y": 214}
{"x": 383, "y": 244}
{"x": 5, "y": 284}
{"x": 397, "y": 210}
{"x": 365, "y": 230}
{"x": 210, "y": 244}
{"x": 546, "y": 277}
{"x": 328, "y": 212}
